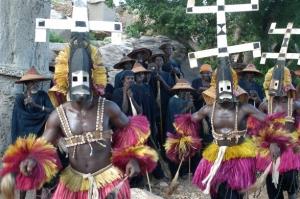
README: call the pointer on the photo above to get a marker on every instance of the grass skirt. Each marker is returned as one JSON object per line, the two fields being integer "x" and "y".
{"x": 237, "y": 168}
{"x": 73, "y": 185}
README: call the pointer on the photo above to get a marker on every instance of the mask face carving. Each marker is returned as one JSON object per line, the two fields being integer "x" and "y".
{"x": 224, "y": 82}
{"x": 276, "y": 84}
{"x": 80, "y": 65}
{"x": 225, "y": 90}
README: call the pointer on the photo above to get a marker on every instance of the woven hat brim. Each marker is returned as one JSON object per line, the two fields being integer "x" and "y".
{"x": 148, "y": 52}
{"x": 120, "y": 64}
{"x": 32, "y": 77}
{"x": 251, "y": 71}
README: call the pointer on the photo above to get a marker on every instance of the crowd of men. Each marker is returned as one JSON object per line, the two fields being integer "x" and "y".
{"x": 150, "y": 83}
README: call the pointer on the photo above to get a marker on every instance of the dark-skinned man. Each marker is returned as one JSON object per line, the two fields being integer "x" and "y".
{"x": 280, "y": 103}
{"x": 85, "y": 123}
{"x": 126, "y": 63}
{"x": 248, "y": 83}
{"x": 126, "y": 96}
{"x": 228, "y": 164}
{"x": 31, "y": 110}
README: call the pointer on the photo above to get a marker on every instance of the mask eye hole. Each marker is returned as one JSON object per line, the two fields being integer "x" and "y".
{"x": 84, "y": 79}
{"x": 75, "y": 79}
{"x": 228, "y": 88}
{"x": 222, "y": 89}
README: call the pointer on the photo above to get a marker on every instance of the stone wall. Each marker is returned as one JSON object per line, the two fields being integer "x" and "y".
{"x": 7, "y": 93}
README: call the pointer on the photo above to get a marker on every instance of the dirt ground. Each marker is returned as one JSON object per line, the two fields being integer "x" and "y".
{"x": 184, "y": 191}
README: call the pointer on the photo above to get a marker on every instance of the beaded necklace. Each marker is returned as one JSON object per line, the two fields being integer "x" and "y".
{"x": 86, "y": 137}
{"x": 289, "y": 116}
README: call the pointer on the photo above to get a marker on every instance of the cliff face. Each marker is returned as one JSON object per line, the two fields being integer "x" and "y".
{"x": 18, "y": 53}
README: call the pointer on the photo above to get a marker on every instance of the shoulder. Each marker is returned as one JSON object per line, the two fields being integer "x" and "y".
{"x": 296, "y": 104}
{"x": 206, "y": 109}
{"x": 111, "y": 106}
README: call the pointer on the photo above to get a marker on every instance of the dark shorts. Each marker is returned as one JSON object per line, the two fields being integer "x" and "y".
{"x": 288, "y": 181}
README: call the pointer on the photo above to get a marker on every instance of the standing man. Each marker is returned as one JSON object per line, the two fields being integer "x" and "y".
{"x": 280, "y": 94}
{"x": 86, "y": 124}
{"x": 200, "y": 84}
{"x": 248, "y": 83}
{"x": 141, "y": 55}
{"x": 161, "y": 83}
{"x": 31, "y": 110}
{"x": 171, "y": 66}
{"x": 180, "y": 103}
{"x": 228, "y": 164}
{"x": 126, "y": 63}
{"x": 126, "y": 97}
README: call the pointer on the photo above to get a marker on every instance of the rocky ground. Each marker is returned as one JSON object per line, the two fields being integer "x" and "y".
{"x": 184, "y": 191}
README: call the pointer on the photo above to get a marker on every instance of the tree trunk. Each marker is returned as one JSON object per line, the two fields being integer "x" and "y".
{"x": 18, "y": 52}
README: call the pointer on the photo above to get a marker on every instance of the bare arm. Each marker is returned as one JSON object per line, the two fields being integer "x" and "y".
{"x": 201, "y": 114}
{"x": 52, "y": 131}
{"x": 263, "y": 106}
{"x": 117, "y": 118}
{"x": 297, "y": 107}
{"x": 125, "y": 105}
{"x": 254, "y": 112}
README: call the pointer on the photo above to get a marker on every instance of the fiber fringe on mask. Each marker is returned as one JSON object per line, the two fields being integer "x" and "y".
{"x": 58, "y": 93}
{"x": 38, "y": 149}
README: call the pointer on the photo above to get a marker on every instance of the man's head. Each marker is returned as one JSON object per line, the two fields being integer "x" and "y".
{"x": 183, "y": 89}
{"x": 128, "y": 78}
{"x": 249, "y": 77}
{"x": 80, "y": 63}
{"x": 32, "y": 86}
{"x": 31, "y": 79}
{"x": 139, "y": 72}
{"x": 250, "y": 72}
{"x": 159, "y": 61}
{"x": 206, "y": 72}
{"x": 278, "y": 82}
{"x": 140, "y": 54}
{"x": 276, "y": 85}
{"x": 224, "y": 82}
{"x": 184, "y": 94}
{"x": 125, "y": 63}
{"x": 168, "y": 49}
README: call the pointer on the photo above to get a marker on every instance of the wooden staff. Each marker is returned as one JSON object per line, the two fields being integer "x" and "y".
{"x": 158, "y": 100}
{"x": 174, "y": 183}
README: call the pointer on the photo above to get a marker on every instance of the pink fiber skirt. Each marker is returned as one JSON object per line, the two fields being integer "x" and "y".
{"x": 62, "y": 192}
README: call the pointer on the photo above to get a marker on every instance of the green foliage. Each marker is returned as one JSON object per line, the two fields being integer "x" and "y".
{"x": 55, "y": 38}
{"x": 168, "y": 17}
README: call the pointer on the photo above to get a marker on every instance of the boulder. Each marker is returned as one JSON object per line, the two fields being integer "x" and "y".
{"x": 112, "y": 53}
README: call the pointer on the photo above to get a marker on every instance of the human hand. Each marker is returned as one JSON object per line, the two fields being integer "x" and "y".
{"x": 27, "y": 166}
{"x": 129, "y": 93}
{"x": 28, "y": 100}
{"x": 132, "y": 168}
